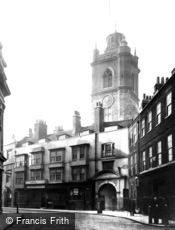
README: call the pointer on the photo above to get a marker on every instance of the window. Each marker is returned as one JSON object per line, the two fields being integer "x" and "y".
{"x": 108, "y": 114}
{"x": 75, "y": 175}
{"x": 20, "y": 161}
{"x": 76, "y": 194}
{"x": 169, "y": 104}
{"x": 36, "y": 175}
{"x": 143, "y": 128}
{"x": 82, "y": 174}
{"x": 36, "y": 159}
{"x": 150, "y": 155}
{"x": 170, "y": 147}
{"x": 107, "y": 149}
{"x": 143, "y": 161}
{"x": 19, "y": 178}
{"x": 8, "y": 153}
{"x": 107, "y": 78}
{"x": 82, "y": 152}
{"x": 74, "y": 153}
{"x": 158, "y": 114}
{"x": 55, "y": 174}
{"x": 135, "y": 135}
{"x": 108, "y": 165}
{"x": 159, "y": 152}
{"x": 56, "y": 155}
{"x": 79, "y": 152}
{"x": 78, "y": 173}
{"x": 149, "y": 121}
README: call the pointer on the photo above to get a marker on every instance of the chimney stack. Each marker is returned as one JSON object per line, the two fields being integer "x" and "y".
{"x": 76, "y": 123}
{"x": 40, "y": 130}
{"x": 146, "y": 99}
{"x": 158, "y": 84}
{"x": 30, "y": 133}
{"x": 99, "y": 117}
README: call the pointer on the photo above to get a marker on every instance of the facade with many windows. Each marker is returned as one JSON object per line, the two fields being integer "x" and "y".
{"x": 151, "y": 144}
{"x": 73, "y": 172}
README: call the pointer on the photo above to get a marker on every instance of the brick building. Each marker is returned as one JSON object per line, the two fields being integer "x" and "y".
{"x": 151, "y": 144}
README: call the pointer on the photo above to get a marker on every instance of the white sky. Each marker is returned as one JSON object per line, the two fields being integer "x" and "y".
{"x": 48, "y": 47}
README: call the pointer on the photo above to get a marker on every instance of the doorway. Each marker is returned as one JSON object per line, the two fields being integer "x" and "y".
{"x": 107, "y": 192}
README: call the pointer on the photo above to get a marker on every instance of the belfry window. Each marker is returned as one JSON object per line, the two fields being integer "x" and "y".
{"x": 107, "y": 78}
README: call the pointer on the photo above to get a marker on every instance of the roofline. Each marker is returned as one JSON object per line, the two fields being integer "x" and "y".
{"x": 154, "y": 96}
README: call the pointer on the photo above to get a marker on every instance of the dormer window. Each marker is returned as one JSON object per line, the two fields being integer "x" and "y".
{"x": 107, "y": 78}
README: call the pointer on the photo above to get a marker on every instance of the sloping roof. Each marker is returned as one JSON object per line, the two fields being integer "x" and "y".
{"x": 25, "y": 140}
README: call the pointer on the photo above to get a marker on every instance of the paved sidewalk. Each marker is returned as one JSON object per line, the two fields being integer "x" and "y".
{"x": 136, "y": 217}
{"x": 143, "y": 219}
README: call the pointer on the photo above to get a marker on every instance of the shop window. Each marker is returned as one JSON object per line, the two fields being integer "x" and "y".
{"x": 76, "y": 194}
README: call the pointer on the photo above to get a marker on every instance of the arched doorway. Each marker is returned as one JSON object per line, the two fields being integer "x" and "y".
{"x": 108, "y": 194}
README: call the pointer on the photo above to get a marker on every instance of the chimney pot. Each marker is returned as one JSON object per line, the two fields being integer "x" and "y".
{"x": 158, "y": 80}
{"x": 162, "y": 80}
{"x": 76, "y": 122}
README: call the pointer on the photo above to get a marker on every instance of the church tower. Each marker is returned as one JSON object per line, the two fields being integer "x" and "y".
{"x": 115, "y": 79}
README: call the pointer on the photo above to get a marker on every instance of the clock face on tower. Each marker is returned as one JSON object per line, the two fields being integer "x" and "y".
{"x": 107, "y": 101}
